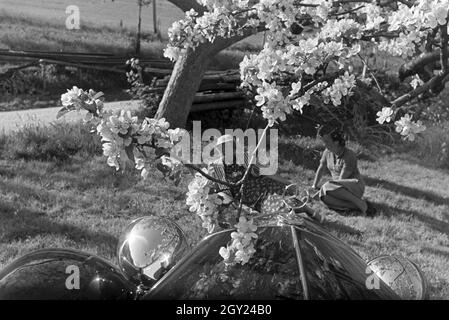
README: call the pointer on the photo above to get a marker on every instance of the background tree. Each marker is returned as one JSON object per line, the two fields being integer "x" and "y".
{"x": 189, "y": 70}
{"x": 316, "y": 66}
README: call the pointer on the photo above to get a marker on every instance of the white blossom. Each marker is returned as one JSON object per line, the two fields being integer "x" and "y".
{"x": 384, "y": 115}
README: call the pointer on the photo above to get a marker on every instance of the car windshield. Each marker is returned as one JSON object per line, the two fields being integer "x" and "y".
{"x": 332, "y": 270}
{"x": 272, "y": 273}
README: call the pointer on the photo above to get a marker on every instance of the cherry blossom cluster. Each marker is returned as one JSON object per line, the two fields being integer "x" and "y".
{"x": 77, "y": 99}
{"x": 125, "y": 140}
{"x": 412, "y": 24}
{"x": 339, "y": 30}
{"x": 241, "y": 248}
{"x": 204, "y": 202}
{"x": 407, "y": 128}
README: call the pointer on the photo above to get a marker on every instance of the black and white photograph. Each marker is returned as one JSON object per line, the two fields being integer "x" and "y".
{"x": 225, "y": 154}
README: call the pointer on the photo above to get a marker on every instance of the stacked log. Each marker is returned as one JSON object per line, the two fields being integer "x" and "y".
{"x": 79, "y": 58}
{"x": 218, "y": 90}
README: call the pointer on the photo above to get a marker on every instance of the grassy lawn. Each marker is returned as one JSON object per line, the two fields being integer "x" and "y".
{"x": 119, "y": 15}
{"x": 37, "y": 33}
{"x": 26, "y": 29}
{"x": 21, "y": 32}
{"x": 79, "y": 202}
{"x": 82, "y": 204}
{"x": 100, "y": 13}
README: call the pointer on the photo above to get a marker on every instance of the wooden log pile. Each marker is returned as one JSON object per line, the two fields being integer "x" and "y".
{"x": 83, "y": 60}
{"x": 218, "y": 90}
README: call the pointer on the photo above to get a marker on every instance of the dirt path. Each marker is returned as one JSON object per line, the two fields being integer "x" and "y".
{"x": 13, "y": 120}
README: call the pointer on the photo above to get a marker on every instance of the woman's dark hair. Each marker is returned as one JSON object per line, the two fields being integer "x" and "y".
{"x": 335, "y": 134}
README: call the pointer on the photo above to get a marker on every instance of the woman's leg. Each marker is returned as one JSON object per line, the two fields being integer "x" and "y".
{"x": 335, "y": 203}
{"x": 341, "y": 195}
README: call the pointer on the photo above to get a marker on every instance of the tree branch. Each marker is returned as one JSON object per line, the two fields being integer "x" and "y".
{"x": 195, "y": 168}
{"x": 186, "y": 5}
{"x": 222, "y": 43}
{"x": 346, "y": 12}
{"x": 370, "y": 71}
{"x": 380, "y": 34}
{"x": 416, "y": 65}
{"x": 315, "y": 82}
{"x": 435, "y": 80}
{"x": 407, "y": 3}
{"x": 430, "y": 39}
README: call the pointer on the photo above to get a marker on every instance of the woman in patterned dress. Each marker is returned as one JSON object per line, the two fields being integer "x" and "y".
{"x": 345, "y": 190}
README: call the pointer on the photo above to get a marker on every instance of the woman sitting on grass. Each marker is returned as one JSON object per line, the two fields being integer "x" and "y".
{"x": 344, "y": 192}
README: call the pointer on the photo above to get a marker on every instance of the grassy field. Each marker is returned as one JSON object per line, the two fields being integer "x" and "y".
{"x": 56, "y": 190}
{"x": 37, "y": 33}
{"x": 105, "y": 26}
{"x": 100, "y": 13}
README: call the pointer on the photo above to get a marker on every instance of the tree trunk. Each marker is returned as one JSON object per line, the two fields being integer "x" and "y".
{"x": 186, "y": 79}
{"x": 189, "y": 71}
{"x": 184, "y": 83}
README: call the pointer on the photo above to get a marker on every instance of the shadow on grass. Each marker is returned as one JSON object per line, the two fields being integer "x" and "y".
{"x": 7, "y": 172}
{"x": 407, "y": 191}
{"x": 21, "y": 223}
{"x": 438, "y": 252}
{"x": 435, "y": 224}
{"x": 340, "y": 228}
{"x": 10, "y": 210}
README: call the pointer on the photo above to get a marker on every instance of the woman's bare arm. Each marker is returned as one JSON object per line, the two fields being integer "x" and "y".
{"x": 318, "y": 175}
{"x": 349, "y": 166}
{"x": 320, "y": 170}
